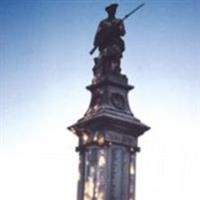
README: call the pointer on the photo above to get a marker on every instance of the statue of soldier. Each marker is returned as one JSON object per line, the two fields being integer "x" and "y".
{"x": 108, "y": 39}
{"x": 109, "y": 32}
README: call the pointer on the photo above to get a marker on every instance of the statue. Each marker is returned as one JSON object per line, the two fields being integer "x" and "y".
{"x": 108, "y": 40}
{"x": 109, "y": 32}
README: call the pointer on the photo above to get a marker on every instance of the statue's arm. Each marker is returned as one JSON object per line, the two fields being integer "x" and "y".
{"x": 118, "y": 28}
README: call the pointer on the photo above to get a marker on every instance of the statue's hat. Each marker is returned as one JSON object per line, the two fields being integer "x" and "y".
{"x": 111, "y": 7}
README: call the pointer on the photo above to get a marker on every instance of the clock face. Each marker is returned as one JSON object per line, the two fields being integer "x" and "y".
{"x": 118, "y": 101}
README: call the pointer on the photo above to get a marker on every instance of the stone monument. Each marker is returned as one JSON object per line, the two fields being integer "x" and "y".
{"x": 108, "y": 132}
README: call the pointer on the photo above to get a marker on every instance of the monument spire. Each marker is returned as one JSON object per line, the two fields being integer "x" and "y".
{"x": 108, "y": 132}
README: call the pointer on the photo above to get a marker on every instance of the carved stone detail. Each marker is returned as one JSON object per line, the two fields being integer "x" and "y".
{"x": 118, "y": 101}
{"x": 127, "y": 140}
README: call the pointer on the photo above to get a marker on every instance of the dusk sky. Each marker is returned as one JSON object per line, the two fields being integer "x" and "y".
{"x": 44, "y": 68}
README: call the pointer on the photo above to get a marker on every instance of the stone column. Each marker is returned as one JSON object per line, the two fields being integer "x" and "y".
{"x": 108, "y": 137}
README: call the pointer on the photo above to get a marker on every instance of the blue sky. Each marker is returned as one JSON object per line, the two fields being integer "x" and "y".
{"x": 44, "y": 67}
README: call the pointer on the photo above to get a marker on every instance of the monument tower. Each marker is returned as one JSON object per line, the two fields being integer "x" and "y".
{"x": 109, "y": 131}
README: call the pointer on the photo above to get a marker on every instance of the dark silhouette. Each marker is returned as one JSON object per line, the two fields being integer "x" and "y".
{"x": 109, "y": 32}
{"x": 108, "y": 40}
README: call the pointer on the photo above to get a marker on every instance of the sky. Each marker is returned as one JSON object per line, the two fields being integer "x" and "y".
{"x": 44, "y": 68}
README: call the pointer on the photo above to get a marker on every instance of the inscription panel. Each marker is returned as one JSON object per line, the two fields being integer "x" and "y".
{"x": 119, "y": 185}
{"x": 116, "y": 174}
{"x": 121, "y": 139}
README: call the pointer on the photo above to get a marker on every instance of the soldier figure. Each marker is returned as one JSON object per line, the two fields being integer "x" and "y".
{"x": 109, "y": 32}
{"x": 108, "y": 41}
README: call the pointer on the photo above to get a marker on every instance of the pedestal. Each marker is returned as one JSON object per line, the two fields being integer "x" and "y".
{"x": 108, "y": 135}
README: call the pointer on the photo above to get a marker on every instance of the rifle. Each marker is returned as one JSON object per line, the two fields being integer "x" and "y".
{"x": 123, "y": 19}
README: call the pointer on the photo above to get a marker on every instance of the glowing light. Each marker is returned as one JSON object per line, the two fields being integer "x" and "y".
{"x": 132, "y": 169}
{"x": 102, "y": 161}
{"x": 100, "y": 196}
{"x": 89, "y": 187}
{"x": 85, "y": 138}
{"x": 96, "y": 190}
{"x": 101, "y": 140}
{"x": 95, "y": 138}
{"x": 96, "y": 107}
